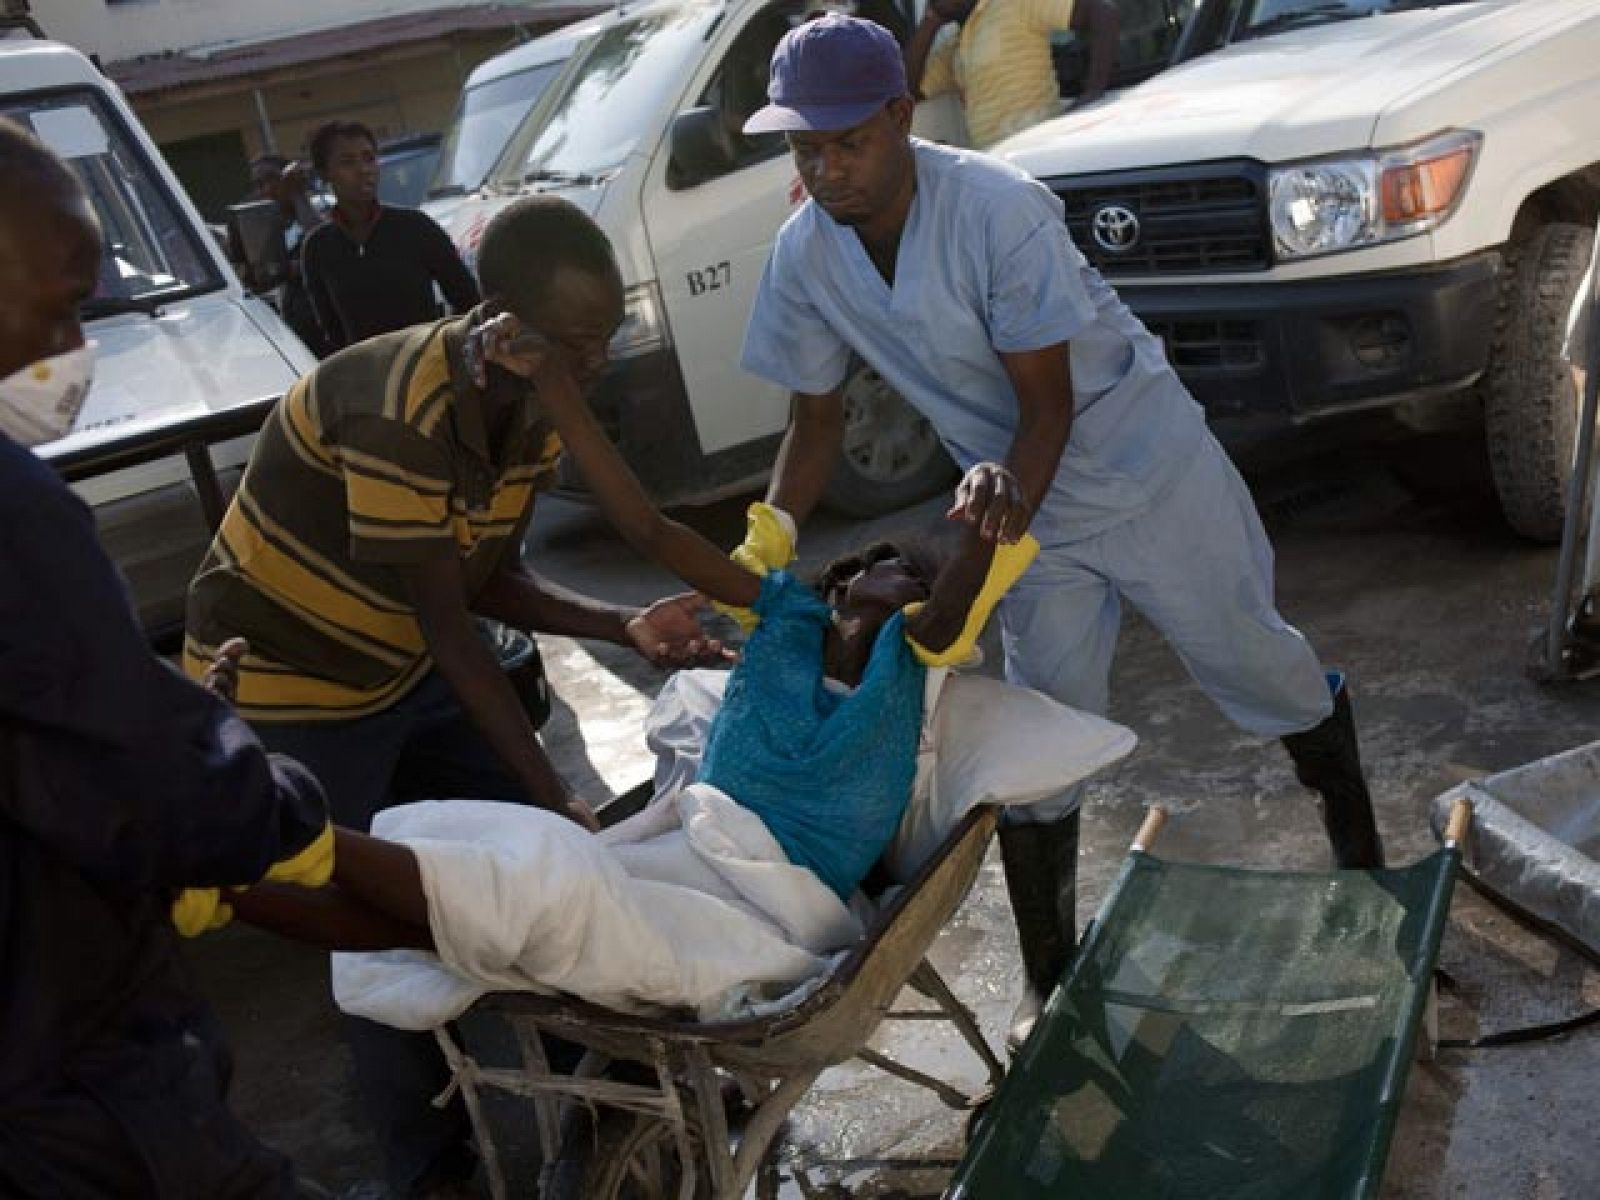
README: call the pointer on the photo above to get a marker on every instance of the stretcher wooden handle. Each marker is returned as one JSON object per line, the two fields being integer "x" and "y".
{"x": 1154, "y": 821}
{"x": 1460, "y": 822}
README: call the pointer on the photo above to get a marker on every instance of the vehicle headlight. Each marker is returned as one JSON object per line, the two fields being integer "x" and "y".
{"x": 641, "y": 330}
{"x": 1328, "y": 205}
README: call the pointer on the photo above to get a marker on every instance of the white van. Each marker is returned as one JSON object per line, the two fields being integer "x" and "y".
{"x": 495, "y": 100}
{"x": 186, "y": 358}
{"x": 641, "y": 131}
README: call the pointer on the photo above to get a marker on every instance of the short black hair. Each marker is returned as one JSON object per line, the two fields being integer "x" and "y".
{"x": 322, "y": 140}
{"x": 276, "y": 161}
{"x": 528, "y": 241}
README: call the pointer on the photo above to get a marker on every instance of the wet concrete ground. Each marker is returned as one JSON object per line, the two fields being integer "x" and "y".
{"x": 1393, "y": 560}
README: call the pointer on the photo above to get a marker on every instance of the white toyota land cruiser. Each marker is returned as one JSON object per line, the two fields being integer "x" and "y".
{"x": 1332, "y": 205}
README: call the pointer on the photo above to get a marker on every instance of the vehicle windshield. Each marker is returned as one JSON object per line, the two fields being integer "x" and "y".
{"x": 1270, "y": 16}
{"x": 152, "y": 252}
{"x": 489, "y": 114}
{"x": 629, "y": 74}
{"x": 404, "y": 172}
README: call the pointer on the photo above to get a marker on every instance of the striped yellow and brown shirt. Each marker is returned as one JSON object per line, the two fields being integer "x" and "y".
{"x": 1000, "y": 63}
{"x": 376, "y": 459}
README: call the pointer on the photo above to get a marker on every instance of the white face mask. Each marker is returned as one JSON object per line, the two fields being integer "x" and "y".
{"x": 40, "y": 402}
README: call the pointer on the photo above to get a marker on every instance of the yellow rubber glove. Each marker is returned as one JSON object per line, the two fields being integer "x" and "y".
{"x": 199, "y": 910}
{"x": 312, "y": 867}
{"x": 768, "y": 545}
{"x": 1010, "y": 561}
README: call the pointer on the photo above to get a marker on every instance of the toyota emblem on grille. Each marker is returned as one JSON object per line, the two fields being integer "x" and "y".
{"x": 1115, "y": 228}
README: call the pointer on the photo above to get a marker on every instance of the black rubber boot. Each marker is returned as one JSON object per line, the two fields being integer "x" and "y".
{"x": 1041, "y": 865}
{"x": 1327, "y": 760}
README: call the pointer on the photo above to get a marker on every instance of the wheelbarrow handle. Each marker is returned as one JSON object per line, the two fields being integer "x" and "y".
{"x": 1154, "y": 821}
{"x": 1455, "y": 832}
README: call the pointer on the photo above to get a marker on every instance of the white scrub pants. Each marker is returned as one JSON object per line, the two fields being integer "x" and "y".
{"x": 1198, "y": 565}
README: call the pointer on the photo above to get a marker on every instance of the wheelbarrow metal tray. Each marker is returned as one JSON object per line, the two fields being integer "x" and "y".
{"x": 1536, "y": 841}
{"x": 1222, "y": 1033}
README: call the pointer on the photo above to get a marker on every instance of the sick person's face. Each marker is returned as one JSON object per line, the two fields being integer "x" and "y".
{"x": 876, "y": 583}
{"x": 856, "y": 174}
{"x": 49, "y": 265}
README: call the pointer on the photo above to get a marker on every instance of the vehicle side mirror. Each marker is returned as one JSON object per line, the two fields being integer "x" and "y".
{"x": 700, "y": 148}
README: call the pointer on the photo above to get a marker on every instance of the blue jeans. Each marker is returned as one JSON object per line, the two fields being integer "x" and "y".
{"x": 424, "y": 747}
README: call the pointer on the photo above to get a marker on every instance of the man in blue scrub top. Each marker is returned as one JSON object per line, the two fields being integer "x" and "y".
{"x": 953, "y": 274}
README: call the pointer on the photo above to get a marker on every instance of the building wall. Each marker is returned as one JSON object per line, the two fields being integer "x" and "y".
{"x": 120, "y": 29}
{"x": 415, "y": 93}
{"x": 410, "y": 95}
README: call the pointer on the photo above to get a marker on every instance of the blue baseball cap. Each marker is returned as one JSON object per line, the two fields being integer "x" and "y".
{"x": 829, "y": 74}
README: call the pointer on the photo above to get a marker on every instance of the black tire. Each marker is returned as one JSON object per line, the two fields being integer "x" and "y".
{"x": 620, "y": 1156}
{"x": 1530, "y": 399}
{"x": 891, "y": 457}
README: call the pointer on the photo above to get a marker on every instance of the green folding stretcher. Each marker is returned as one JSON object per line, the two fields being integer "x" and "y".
{"x": 1223, "y": 1034}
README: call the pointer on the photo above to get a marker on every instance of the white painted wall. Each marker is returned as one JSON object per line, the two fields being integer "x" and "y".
{"x": 117, "y": 31}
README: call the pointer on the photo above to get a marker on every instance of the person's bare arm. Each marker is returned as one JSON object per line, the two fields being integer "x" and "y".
{"x": 937, "y": 624}
{"x": 809, "y": 453}
{"x": 694, "y": 559}
{"x": 329, "y": 918}
{"x": 622, "y": 498}
{"x": 297, "y": 179}
{"x": 1099, "y": 24}
{"x": 1000, "y": 499}
{"x": 920, "y": 46}
{"x": 375, "y": 901}
{"x": 437, "y": 591}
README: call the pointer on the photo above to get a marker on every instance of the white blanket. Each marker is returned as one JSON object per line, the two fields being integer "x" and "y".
{"x": 691, "y": 903}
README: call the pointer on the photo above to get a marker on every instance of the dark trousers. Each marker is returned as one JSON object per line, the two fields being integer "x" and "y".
{"x": 422, "y": 748}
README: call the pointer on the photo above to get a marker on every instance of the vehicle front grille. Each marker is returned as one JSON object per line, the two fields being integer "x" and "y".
{"x": 1184, "y": 220}
{"x": 1206, "y": 344}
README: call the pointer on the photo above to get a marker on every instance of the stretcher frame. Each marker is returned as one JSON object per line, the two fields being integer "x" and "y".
{"x": 1042, "y": 1071}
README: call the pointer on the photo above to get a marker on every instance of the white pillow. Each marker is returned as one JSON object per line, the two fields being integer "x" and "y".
{"x": 996, "y": 743}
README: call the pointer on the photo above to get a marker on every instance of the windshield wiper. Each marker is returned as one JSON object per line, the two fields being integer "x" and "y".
{"x": 1316, "y": 14}
{"x": 449, "y": 189}
{"x": 575, "y": 178}
{"x": 110, "y": 306}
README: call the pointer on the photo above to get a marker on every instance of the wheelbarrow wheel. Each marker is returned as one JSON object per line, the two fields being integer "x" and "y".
{"x": 624, "y": 1156}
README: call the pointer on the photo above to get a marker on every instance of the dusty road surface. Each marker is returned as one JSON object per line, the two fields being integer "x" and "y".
{"x": 1392, "y": 558}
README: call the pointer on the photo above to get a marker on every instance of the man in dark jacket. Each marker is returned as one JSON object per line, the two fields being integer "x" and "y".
{"x": 122, "y": 786}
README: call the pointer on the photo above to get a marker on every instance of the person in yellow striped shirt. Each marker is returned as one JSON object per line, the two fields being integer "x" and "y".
{"x": 998, "y": 59}
{"x": 382, "y": 511}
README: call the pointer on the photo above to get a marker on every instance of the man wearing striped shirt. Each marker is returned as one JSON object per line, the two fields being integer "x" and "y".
{"x": 382, "y": 511}
{"x": 999, "y": 59}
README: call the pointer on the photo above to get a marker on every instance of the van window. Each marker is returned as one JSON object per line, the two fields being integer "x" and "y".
{"x": 1150, "y": 31}
{"x": 628, "y": 77}
{"x": 487, "y": 117}
{"x": 740, "y": 86}
{"x": 151, "y": 250}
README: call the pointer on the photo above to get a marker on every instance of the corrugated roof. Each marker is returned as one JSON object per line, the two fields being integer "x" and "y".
{"x": 170, "y": 72}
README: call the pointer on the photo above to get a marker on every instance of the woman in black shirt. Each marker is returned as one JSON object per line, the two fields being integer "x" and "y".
{"x": 372, "y": 269}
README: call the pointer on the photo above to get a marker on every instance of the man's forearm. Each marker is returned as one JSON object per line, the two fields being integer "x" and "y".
{"x": 1101, "y": 27}
{"x": 918, "y": 49}
{"x": 523, "y": 600}
{"x": 329, "y": 918}
{"x": 808, "y": 456}
{"x": 488, "y": 698}
{"x": 1035, "y": 454}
